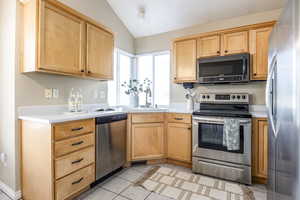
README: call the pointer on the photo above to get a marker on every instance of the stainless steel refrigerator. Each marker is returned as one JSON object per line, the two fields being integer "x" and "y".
{"x": 283, "y": 105}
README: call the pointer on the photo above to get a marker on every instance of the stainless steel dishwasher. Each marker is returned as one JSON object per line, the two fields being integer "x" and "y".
{"x": 110, "y": 143}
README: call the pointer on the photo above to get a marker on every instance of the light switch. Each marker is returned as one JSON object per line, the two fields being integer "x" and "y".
{"x": 55, "y": 93}
{"x": 48, "y": 93}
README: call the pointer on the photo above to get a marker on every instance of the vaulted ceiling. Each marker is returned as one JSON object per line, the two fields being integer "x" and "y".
{"x": 150, "y": 17}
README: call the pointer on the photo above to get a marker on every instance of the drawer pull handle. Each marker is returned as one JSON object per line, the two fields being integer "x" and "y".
{"x": 78, "y": 181}
{"x": 177, "y": 118}
{"x": 77, "y": 143}
{"x": 77, "y": 161}
{"x": 77, "y": 129}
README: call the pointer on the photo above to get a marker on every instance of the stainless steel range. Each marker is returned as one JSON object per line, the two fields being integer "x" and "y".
{"x": 210, "y": 155}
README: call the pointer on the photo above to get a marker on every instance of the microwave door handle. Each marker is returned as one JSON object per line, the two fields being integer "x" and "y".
{"x": 244, "y": 67}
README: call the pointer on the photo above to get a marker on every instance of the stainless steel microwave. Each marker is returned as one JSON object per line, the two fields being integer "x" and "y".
{"x": 224, "y": 69}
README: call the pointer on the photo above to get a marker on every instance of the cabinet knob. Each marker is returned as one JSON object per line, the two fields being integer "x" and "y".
{"x": 82, "y": 70}
{"x": 89, "y": 72}
{"x": 218, "y": 52}
{"x": 254, "y": 74}
{"x": 189, "y": 128}
{"x": 226, "y": 51}
{"x": 175, "y": 78}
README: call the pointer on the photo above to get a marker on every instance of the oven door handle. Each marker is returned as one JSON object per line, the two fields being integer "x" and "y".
{"x": 217, "y": 121}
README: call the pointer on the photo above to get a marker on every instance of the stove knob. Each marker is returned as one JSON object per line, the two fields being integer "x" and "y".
{"x": 233, "y": 97}
{"x": 243, "y": 97}
{"x": 203, "y": 97}
{"x": 207, "y": 96}
{"x": 238, "y": 97}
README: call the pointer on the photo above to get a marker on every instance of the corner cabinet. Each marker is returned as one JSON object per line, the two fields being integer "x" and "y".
{"x": 260, "y": 150}
{"x": 184, "y": 61}
{"x": 145, "y": 136}
{"x": 59, "y": 40}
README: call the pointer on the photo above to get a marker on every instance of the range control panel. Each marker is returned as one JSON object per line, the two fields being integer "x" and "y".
{"x": 224, "y": 98}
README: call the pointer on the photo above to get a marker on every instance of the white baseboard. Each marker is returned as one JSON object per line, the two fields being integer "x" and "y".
{"x": 15, "y": 195}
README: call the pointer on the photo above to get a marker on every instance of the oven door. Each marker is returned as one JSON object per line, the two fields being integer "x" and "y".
{"x": 208, "y": 140}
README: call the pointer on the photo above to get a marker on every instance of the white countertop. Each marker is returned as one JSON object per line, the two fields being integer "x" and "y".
{"x": 58, "y": 114}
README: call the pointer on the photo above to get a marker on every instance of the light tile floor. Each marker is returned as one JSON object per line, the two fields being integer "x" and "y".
{"x": 121, "y": 187}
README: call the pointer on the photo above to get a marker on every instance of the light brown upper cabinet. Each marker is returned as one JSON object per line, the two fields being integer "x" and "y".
{"x": 251, "y": 39}
{"x": 259, "y": 48}
{"x": 59, "y": 40}
{"x": 233, "y": 43}
{"x": 99, "y": 53}
{"x": 62, "y": 41}
{"x": 208, "y": 46}
{"x": 184, "y": 61}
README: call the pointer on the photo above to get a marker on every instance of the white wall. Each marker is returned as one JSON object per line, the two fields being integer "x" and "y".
{"x": 162, "y": 42}
{"x": 7, "y": 91}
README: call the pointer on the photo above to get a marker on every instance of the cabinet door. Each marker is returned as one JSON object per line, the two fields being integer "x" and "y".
{"x": 62, "y": 41}
{"x": 184, "y": 53}
{"x": 208, "y": 46}
{"x": 260, "y": 148}
{"x": 234, "y": 43}
{"x": 179, "y": 139}
{"x": 259, "y": 48}
{"x": 100, "y": 51}
{"x": 147, "y": 141}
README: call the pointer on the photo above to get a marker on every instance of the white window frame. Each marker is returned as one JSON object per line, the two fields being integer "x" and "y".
{"x": 118, "y": 52}
{"x": 153, "y": 70}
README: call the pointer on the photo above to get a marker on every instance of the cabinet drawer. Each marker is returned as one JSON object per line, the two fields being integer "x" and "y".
{"x": 147, "y": 118}
{"x": 75, "y": 182}
{"x": 71, "y": 129}
{"x": 74, "y": 161}
{"x": 179, "y": 118}
{"x": 73, "y": 144}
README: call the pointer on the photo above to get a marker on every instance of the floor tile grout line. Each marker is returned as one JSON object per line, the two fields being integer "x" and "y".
{"x": 6, "y": 195}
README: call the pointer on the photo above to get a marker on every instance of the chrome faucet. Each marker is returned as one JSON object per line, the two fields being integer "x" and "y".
{"x": 148, "y": 97}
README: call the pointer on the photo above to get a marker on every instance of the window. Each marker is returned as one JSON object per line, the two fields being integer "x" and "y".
{"x": 155, "y": 67}
{"x": 122, "y": 72}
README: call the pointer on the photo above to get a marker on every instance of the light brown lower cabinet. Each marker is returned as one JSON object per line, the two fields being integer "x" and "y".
{"x": 57, "y": 160}
{"x": 260, "y": 150}
{"x": 179, "y": 140}
{"x": 147, "y": 141}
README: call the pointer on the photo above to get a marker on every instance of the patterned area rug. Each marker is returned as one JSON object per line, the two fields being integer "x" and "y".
{"x": 181, "y": 185}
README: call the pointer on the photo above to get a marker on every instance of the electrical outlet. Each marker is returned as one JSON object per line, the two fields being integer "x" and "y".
{"x": 55, "y": 93}
{"x": 48, "y": 93}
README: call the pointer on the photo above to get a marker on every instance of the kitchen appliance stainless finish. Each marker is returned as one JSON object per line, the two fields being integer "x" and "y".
{"x": 282, "y": 99}
{"x": 210, "y": 157}
{"x": 110, "y": 144}
{"x": 224, "y": 69}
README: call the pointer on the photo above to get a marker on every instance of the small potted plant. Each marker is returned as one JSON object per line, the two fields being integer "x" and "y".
{"x": 133, "y": 88}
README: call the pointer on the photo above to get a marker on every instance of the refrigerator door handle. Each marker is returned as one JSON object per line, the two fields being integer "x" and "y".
{"x": 269, "y": 95}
